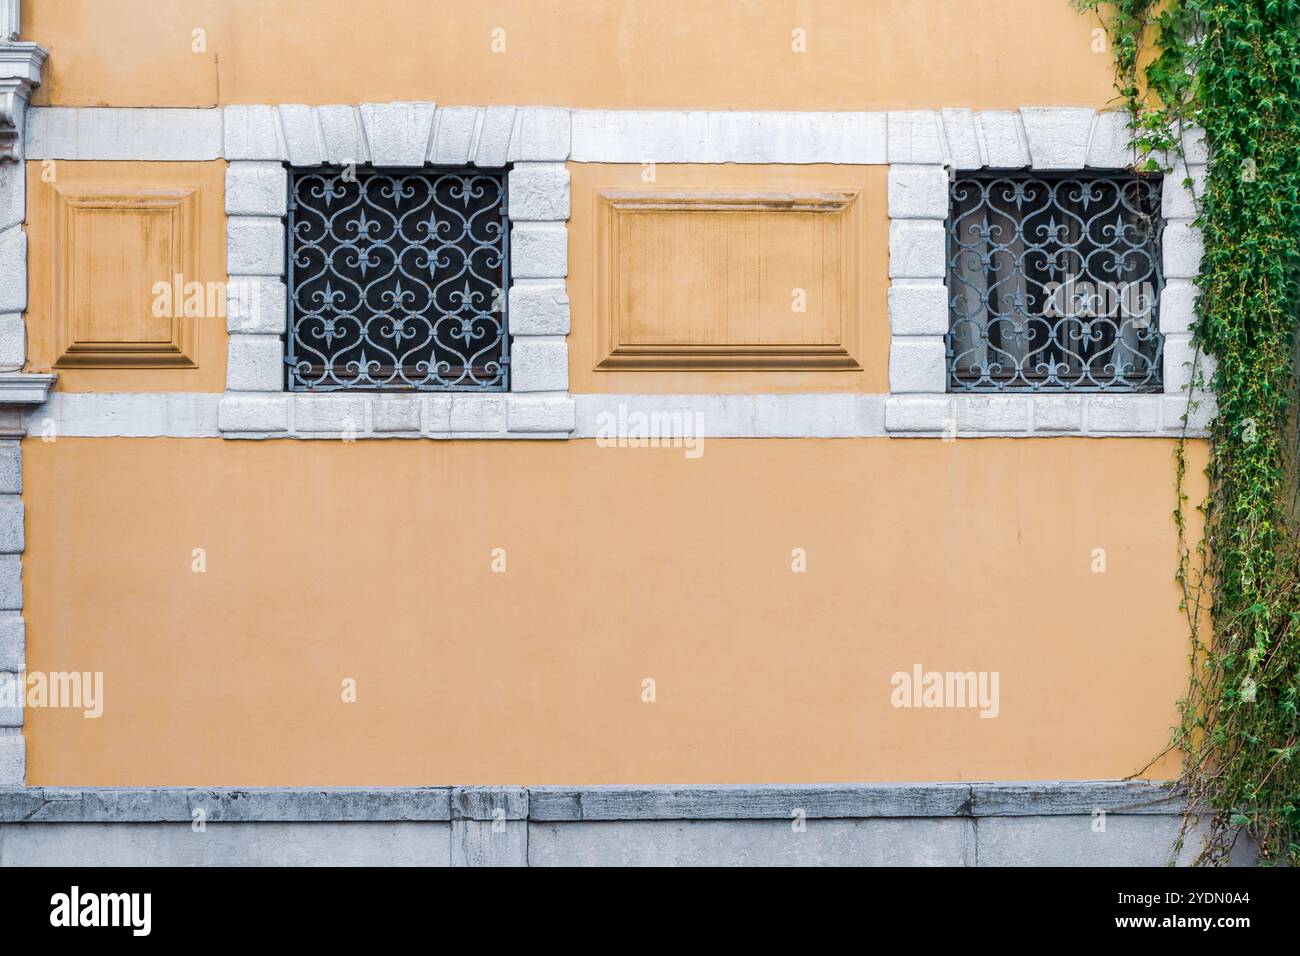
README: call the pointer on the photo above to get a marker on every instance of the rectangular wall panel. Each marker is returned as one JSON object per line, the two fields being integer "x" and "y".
{"x": 714, "y": 279}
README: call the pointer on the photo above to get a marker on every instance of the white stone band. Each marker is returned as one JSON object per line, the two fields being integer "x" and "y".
{"x": 413, "y": 133}
{"x": 555, "y": 415}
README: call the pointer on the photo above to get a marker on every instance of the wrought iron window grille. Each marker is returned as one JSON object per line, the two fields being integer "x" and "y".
{"x": 1053, "y": 282}
{"x": 397, "y": 280}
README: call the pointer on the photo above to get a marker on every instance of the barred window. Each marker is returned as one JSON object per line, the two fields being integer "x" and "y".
{"x": 397, "y": 280}
{"x": 1053, "y": 281}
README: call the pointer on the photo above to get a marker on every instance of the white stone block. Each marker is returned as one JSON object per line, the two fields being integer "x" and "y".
{"x": 1000, "y": 414}
{"x": 1183, "y": 248}
{"x": 13, "y": 642}
{"x": 1180, "y": 359}
{"x": 255, "y": 246}
{"x": 549, "y": 414}
{"x": 915, "y": 137}
{"x": 13, "y": 194}
{"x": 496, "y": 127}
{"x": 11, "y": 467}
{"x": 917, "y": 364}
{"x": 918, "y": 309}
{"x": 302, "y": 138}
{"x": 1002, "y": 139}
{"x": 539, "y": 250}
{"x": 539, "y": 308}
{"x": 1122, "y": 414}
{"x": 1058, "y": 137}
{"x": 453, "y": 136}
{"x": 1111, "y": 146}
{"x": 11, "y": 700}
{"x": 11, "y": 525}
{"x": 544, "y": 135}
{"x": 437, "y": 414}
{"x": 255, "y": 363}
{"x": 1198, "y": 411}
{"x": 256, "y": 189}
{"x": 398, "y": 133}
{"x": 916, "y": 413}
{"x": 1058, "y": 413}
{"x": 245, "y": 413}
{"x": 962, "y": 138}
{"x": 340, "y": 128}
{"x": 539, "y": 192}
{"x": 916, "y": 249}
{"x": 11, "y": 582}
{"x": 13, "y": 342}
{"x": 13, "y": 760}
{"x": 1177, "y": 201}
{"x": 397, "y": 413}
{"x": 117, "y": 133}
{"x": 795, "y": 137}
{"x": 331, "y": 414}
{"x": 539, "y": 365}
{"x": 1196, "y": 148}
{"x": 640, "y": 136}
{"x": 255, "y": 304}
{"x": 13, "y": 270}
{"x": 252, "y": 132}
{"x": 476, "y": 414}
{"x": 1178, "y": 305}
{"x": 918, "y": 192}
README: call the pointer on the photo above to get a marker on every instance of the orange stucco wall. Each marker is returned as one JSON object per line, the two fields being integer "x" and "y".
{"x": 672, "y": 54}
{"x": 372, "y": 561}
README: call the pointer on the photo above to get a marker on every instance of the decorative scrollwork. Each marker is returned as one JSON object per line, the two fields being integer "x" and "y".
{"x": 397, "y": 281}
{"x": 1053, "y": 282}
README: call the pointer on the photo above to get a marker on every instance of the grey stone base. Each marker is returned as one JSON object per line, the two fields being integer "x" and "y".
{"x": 1078, "y": 823}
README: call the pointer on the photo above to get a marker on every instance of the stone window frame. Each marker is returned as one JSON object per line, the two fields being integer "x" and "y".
{"x": 924, "y": 149}
{"x": 261, "y": 143}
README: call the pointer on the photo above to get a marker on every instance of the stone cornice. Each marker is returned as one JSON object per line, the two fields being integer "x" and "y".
{"x": 20, "y": 73}
{"x": 25, "y": 388}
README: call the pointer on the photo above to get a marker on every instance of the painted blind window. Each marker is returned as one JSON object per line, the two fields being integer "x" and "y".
{"x": 397, "y": 280}
{"x": 1053, "y": 282}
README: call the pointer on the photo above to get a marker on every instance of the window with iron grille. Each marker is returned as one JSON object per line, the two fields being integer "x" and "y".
{"x": 397, "y": 280}
{"x": 1053, "y": 281}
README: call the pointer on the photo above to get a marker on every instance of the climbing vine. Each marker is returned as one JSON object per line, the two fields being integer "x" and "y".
{"x": 1232, "y": 68}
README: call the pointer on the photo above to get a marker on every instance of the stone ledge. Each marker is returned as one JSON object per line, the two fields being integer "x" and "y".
{"x": 606, "y": 803}
{"x": 593, "y": 415}
{"x": 1046, "y": 414}
{"x": 222, "y": 805}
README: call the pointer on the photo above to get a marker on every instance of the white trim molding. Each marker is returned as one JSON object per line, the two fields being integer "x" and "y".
{"x": 590, "y": 415}
{"x": 260, "y": 140}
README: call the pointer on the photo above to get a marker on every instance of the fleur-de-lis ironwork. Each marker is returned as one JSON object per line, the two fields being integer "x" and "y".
{"x": 1052, "y": 282}
{"x": 396, "y": 280}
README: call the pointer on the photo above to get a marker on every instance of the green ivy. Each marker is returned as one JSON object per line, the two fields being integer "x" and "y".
{"x": 1232, "y": 68}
